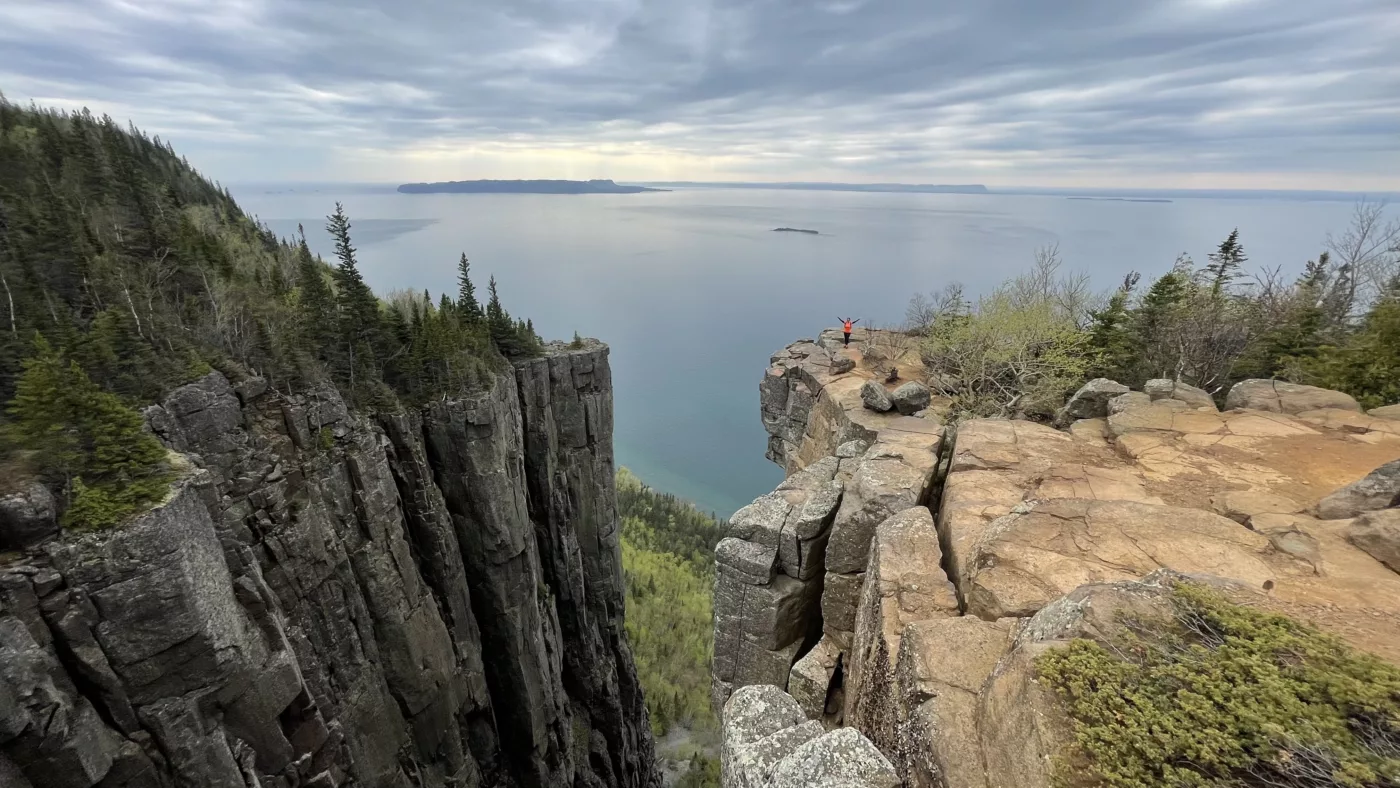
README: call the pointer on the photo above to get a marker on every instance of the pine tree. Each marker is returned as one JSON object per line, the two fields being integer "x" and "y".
{"x": 316, "y": 303}
{"x": 498, "y": 321}
{"x": 356, "y": 307}
{"x": 1226, "y": 263}
{"x": 86, "y": 439}
{"x": 42, "y": 413}
{"x": 466, "y": 292}
{"x": 1111, "y": 335}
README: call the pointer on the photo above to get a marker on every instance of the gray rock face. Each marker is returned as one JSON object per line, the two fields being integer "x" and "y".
{"x": 874, "y": 396}
{"x": 1378, "y": 533}
{"x": 429, "y": 599}
{"x": 769, "y": 580}
{"x": 27, "y": 517}
{"x": 1281, "y": 397}
{"x": 1165, "y": 388}
{"x": 1380, "y": 489}
{"x": 768, "y": 743}
{"x": 1091, "y": 400}
{"x": 910, "y": 398}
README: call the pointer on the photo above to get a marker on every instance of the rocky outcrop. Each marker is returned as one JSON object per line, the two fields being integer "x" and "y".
{"x": 1166, "y": 388}
{"x": 1277, "y": 396}
{"x": 1091, "y": 400}
{"x": 954, "y": 560}
{"x": 767, "y": 743}
{"x": 426, "y": 598}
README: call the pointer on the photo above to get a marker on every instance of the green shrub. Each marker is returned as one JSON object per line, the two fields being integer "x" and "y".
{"x": 1005, "y": 358}
{"x": 1228, "y": 696}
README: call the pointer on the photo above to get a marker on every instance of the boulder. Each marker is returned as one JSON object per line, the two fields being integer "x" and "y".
{"x": 1380, "y": 489}
{"x": 842, "y": 757}
{"x": 1091, "y": 400}
{"x": 27, "y": 516}
{"x": 1378, "y": 533}
{"x": 1386, "y": 412}
{"x": 910, "y": 398}
{"x": 874, "y": 396}
{"x": 1132, "y": 399}
{"x": 841, "y": 363}
{"x": 1282, "y": 397}
{"x": 767, "y": 743}
{"x": 1164, "y": 388}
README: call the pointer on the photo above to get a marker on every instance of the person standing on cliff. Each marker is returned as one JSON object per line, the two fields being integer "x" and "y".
{"x": 846, "y": 325}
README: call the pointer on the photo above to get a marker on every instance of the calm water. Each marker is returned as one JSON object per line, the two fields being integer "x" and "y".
{"x": 693, "y": 290}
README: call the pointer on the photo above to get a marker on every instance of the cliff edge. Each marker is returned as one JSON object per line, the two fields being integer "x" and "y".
{"x": 423, "y": 598}
{"x": 903, "y": 579}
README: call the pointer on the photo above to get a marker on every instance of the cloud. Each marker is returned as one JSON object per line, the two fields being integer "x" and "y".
{"x": 1075, "y": 92}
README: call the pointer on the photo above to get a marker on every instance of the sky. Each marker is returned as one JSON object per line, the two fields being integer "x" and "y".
{"x": 1288, "y": 94}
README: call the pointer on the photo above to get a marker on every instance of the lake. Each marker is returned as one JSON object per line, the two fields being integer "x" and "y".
{"x": 694, "y": 291}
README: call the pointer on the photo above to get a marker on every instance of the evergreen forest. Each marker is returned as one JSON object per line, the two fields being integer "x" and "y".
{"x": 125, "y": 273}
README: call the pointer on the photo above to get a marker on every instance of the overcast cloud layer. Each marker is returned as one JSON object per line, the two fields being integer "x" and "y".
{"x": 1168, "y": 93}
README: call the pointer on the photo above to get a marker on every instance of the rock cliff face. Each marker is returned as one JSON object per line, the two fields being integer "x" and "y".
{"x": 953, "y": 557}
{"x": 429, "y": 598}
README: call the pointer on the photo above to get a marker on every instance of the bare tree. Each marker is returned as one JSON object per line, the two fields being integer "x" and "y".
{"x": 1368, "y": 252}
{"x": 923, "y": 311}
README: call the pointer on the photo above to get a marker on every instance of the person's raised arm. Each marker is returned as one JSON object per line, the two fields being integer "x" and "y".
{"x": 857, "y": 320}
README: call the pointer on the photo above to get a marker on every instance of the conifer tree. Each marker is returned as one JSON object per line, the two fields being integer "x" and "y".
{"x": 317, "y": 303}
{"x": 1226, "y": 263}
{"x": 466, "y": 292}
{"x": 357, "y": 308}
{"x": 87, "y": 439}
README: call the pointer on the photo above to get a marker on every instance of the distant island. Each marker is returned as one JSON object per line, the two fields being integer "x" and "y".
{"x": 1119, "y": 199}
{"x": 794, "y": 230}
{"x": 916, "y": 188}
{"x": 524, "y": 187}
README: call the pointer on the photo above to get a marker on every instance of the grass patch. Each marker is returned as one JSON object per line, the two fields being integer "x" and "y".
{"x": 1227, "y": 696}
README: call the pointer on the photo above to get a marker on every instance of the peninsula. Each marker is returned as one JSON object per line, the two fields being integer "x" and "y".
{"x": 523, "y": 187}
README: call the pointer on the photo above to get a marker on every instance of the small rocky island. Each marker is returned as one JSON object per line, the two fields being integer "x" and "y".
{"x": 794, "y": 230}
{"x": 604, "y": 186}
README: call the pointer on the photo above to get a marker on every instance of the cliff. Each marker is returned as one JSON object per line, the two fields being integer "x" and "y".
{"x": 900, "y": 583}
{"x": 423, "y": 598}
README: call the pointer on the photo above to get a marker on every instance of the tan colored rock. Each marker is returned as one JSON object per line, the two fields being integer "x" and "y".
{"x": 810, "y": 681}
{"x": 1351, "y": 421}
{"x": 1242, "y": 505}
{"x": 893, "y": 475}
{"x": 1026, "y": 560}
{"x": 1386, "y": 412}
{"x": 1282, "y": 397}
{"x": 942, "y": 667}
{"x": 904, "y": 582}
{"x": 1093, "y": 483}
{"x": 1093, "y": 431}
{"x": 1165, "y": 388}
{"x": 1378, "y": 533}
